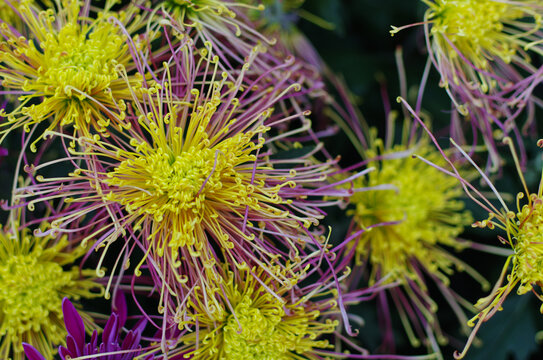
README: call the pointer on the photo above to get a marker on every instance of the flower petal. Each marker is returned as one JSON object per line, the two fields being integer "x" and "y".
{"x": 74, "y": 323}
{"x": 31, "y": 353}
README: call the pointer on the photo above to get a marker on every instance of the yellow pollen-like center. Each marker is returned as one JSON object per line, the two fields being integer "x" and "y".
{"x": 423, "y": 208}
{"x": 30, "y": 292}
{"x": 528, "y": 246}
{"x": 169, "y": 182}
{"x": 476, "y": 27}
{"x": 257, "y": 335}
{"x": 33, "y": 283}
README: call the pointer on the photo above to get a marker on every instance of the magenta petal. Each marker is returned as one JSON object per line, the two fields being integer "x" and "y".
{"x": 72, "y": 346}
{"x": 74, "y": 323}
{"x": 31, "y": 353}
{"x": 109, "y": 336}
{"x": 119, "y": 307}
{"x": 64, "y": 353}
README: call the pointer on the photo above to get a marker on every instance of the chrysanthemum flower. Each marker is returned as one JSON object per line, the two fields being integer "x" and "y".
{"x": 35, "y": 274}
{"x": 249, "y": 322}
{"x": 413, "y": 225}
{"x": 110, "y": 348}
{"x": 404, "y": 225}
{"x": 199, "y": 177}
{"x": 66, "y": 69}
{"x": 483, "y": 51}
{"x": 419, "y": 224}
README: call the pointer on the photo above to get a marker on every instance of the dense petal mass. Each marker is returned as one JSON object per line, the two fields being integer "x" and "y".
{"x": 33, "y": 282}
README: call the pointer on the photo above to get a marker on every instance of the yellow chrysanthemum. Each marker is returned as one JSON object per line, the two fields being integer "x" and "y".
{"x": 70, "y": 64}
{"x": 250, "y": 323}
{"x": 422, "y": 209}
{"x": 36, "y": 273}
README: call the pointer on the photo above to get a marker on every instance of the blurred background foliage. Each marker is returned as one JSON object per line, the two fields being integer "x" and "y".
{"x": 361, "y": 50}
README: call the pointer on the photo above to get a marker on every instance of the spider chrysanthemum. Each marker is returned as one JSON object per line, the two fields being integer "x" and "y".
{"x": 195, "y": 180}
{"x": 405, "y": 226}
{"x": 250, "y": 323}
{"x": 66, "y": 69}
{"x": 36, "y": 273}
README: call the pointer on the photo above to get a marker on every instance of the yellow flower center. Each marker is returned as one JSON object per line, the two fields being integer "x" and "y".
{"x": 33, "y": 283}
{"x": 183, "y": 184}
{"x": 476, "y": 27}
{"x": 30, "y": 292}
{"x": 528, "y": 246}
{"x": 425, "y": 207}
{"x": 86, "y": 64}
{"x": 77, "y": 64}
{"x": 257, "y": 335}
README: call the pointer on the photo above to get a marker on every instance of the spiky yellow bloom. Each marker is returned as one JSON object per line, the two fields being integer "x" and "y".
{"x": 67, "y": 69}
{"x": 36, "y": 273}
{"x": 194, "y": 180}
{"x": 422, "y": 208}
{"x": 479, "y": 29}
{"x": 250, "y": 323}
{"x": 405, "y": 225}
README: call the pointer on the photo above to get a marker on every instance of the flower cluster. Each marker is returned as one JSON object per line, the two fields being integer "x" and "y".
{"x": 190, "y": 154}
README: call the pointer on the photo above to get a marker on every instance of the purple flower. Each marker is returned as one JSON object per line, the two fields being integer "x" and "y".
{"x": 110, "y": 348}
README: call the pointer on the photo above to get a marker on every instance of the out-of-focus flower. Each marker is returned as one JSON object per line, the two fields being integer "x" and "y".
{"x": 483, "y": 50}
{"x": 278, "y": 21}
{"x": 413, "y": 225}
{"x": 66, "y": 69}
{"x": 206, "y": 173}
{"x": 35, "y": 274}
{"x": 110, "y": 348}
{"x": 405, "y": 223}
{"x": 221, "y": 23}
{"x": 422, "y": 206}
